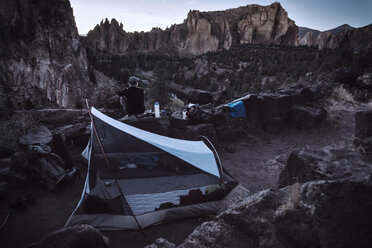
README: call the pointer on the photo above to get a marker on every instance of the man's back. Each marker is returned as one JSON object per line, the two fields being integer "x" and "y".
{"x": 135, "y": 100}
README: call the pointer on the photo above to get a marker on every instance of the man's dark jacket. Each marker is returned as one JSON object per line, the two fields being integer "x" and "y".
{"x": 135, "y": 100}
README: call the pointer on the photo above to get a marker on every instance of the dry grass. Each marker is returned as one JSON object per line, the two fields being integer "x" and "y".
{"x": 369, "y": 105}
{"x": 175, "y": 104}
{"x": 293, "y": 200}
{"x": 294, "y": 197}
{"x": 340, "y": 94}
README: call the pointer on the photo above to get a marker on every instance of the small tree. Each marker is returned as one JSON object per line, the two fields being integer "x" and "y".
{"x": 159, "y": 89}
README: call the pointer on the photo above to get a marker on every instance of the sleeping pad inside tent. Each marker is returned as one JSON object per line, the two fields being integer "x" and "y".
{"x": 136, "y": 178}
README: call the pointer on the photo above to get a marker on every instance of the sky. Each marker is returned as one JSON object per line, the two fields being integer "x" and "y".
{"x": 143, "y": 15}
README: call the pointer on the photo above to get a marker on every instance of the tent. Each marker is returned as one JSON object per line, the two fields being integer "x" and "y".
{"x": 136, "y": 179}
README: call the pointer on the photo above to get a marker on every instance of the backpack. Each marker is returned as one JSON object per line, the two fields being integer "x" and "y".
{"x": 197, "y": 115}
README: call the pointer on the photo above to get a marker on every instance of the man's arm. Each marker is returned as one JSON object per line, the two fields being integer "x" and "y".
{"x": 121, "y": 93}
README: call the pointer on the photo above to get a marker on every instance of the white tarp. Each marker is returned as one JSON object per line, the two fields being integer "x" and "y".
{"x": 192, "y": 152}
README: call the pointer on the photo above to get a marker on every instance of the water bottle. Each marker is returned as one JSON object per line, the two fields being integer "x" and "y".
{"x": 184, "y": 114}
{"x": 157, "y": 110}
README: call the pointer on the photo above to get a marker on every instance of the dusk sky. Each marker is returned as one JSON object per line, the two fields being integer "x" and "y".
{"x": 142, "y": 15}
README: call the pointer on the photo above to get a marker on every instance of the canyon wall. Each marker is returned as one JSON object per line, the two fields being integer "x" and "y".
{"x": 202, "y": 32}
{"x": 359, "y": 38}
{"x": 40, "y": 48}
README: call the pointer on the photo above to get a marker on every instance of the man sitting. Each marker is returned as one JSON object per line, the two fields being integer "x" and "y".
{"x": 132, "y": 98}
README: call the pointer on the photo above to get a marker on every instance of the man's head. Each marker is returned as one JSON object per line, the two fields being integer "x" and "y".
{"x": 133, "y": 81}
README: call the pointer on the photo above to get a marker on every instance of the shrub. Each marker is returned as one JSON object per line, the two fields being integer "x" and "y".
{"x": 340, "y": 94}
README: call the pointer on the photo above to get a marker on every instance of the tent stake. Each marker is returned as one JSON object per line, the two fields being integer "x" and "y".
{"x": 110, "y": 168}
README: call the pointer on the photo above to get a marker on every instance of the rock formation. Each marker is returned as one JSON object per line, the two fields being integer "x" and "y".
{"x": 363, "y": 132}
{"x": 328, "y": 163}
{"x": 73, "y": 237}
{"x": 39, "y": 47}
{"x": 359, "y": 38}
{"x": 316, "y": 214}
{"x": 202, "y": 32}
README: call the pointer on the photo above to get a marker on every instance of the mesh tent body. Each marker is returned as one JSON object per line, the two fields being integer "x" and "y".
{"x": 152, "y": 177}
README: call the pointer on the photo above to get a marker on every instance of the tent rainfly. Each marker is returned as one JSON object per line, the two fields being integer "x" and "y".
{"x": 136, "y": 179}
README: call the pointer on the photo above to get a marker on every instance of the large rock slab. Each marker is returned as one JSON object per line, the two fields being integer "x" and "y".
{"x": 274, "y": 108}
{"x": 207, "y": 130}
{"x": 363, "y": 132}
{"x": 306, "y": 116}
{"x": 161, "y": 243}
{"x": 328, "y": 163}
{"x": 228, "y": 128}
{"x": 319, "y": 214}
{"x": 74, "y": 237}
{"x": 363, "y": 124}
{"x": 160, "y": 126}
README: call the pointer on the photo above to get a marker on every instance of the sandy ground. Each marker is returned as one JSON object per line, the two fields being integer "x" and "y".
{"x": 255, "y": 162}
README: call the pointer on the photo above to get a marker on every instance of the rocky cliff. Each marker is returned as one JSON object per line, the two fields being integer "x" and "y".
{"x": 39, "y": 48}
{"x": 359, "y": 38}
{"x": 202, "y": 32}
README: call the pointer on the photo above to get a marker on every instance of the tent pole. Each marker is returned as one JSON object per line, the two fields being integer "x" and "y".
{"x": 110, "y": 168}
{"x": 219, "y": 164}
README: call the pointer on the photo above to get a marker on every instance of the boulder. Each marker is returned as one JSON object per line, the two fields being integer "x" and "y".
{"x": 53, "y": 118}
{"x": 229, "y": 128}
{"x": 70, "y": 132}
{"x": 74, "y": 237}
{"x": 364, "y": 146}
{"x": 252, "y": 118}
{"x": 320, "y": 90}
{"x": 160, "y": 126}
{"x": 200, "y": 96}
{"x": 345, "y": 76}
{"x": 328, "y": 163}
{"x": 235, "y": 196}
{"x": 4, "y": 188}
{"x": 337, "y": 214}
{"x": 231, "y": 132}
{"x": 15, "y": 179}
{"x": 363, "y": 124}
{"x": 37, "y": 135}
{"x": 306, "y": 116}
{"x": 113, "y": 103}
{"x": 191, "y": 95}
{"x": 274, "y": 108}
{"x": 5, "y": 162}
{"x": 161, "y": 243}
{"x": 320, "y": 214}
{"x": 207, "y": 130}
{"x": 363, "y": 132}
{"x": 5, "y": 152}
{"x": 221, "y": 116}
{"x": 178, "y": 122}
